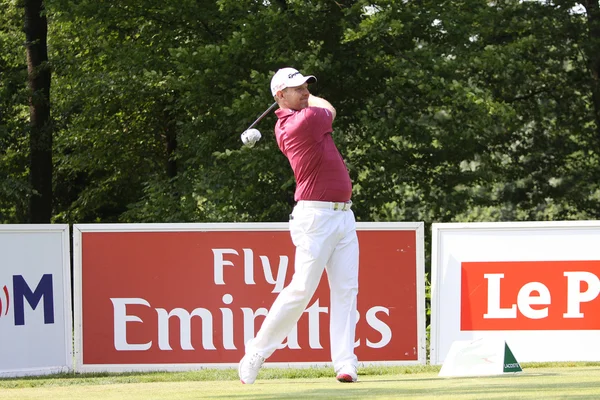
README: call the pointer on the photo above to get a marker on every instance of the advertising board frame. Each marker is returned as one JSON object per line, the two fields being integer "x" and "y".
{"x": 61, "y": 362}
{"x": 516, "y": 242}
{"x": 80, "y": 229}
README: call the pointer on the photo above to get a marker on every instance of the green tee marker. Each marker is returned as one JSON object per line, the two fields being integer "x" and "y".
{"x": 479, "y": 357}
{"x": 510, "y": 362}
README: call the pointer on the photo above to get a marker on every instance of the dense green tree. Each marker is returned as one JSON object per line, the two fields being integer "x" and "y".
{"x": 492, "y": 113}
{"x": 14, "y": 187}
{"x": 25, "y": 124}
{"x": 447, "y": 110}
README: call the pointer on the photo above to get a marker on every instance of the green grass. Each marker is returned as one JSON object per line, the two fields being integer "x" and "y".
{"x": 537, "y": 381}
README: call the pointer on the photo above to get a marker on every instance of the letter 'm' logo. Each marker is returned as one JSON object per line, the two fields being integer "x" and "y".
{"x": 22, "y": 292}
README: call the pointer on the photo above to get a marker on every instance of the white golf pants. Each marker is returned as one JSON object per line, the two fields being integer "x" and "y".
{"x": 325, "y": 238}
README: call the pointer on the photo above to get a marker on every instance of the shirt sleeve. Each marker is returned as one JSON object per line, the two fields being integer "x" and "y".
{"x": 319, "y": 122}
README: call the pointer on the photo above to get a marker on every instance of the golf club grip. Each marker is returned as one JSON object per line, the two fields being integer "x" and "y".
{"x": 268, "y": 110}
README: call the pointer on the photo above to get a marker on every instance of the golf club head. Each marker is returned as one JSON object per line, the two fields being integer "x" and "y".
{"x": 250, "y": 137}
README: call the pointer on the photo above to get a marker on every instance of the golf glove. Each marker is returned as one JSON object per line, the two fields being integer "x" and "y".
{"x": 250, "y": 137}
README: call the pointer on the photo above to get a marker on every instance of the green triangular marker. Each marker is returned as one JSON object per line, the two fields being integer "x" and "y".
{"x": 510, "y": 362}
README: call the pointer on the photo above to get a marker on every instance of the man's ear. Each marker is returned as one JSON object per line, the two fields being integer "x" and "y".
{"x": 280, "y": 94}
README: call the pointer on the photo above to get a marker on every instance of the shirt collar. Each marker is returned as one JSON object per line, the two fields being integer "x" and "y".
{"x": 284, "y": 112}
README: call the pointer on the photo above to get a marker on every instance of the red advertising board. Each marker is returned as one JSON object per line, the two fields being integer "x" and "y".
{"x": 195, "y": 296}
{"x": 530, "y": 295}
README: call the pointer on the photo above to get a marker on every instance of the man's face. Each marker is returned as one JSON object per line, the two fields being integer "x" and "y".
{"x": 295, "y": 98}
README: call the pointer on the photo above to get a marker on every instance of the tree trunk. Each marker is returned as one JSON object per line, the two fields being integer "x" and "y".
{"x": 40, "y": 137}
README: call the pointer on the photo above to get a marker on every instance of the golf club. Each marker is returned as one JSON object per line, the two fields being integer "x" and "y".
{"x": 251, "y": 136}
{"x": 268, "y": 110}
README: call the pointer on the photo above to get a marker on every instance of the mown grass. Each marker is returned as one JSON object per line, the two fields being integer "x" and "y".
{"x": 538, "y": 381}
{"x": 105, "y": 378}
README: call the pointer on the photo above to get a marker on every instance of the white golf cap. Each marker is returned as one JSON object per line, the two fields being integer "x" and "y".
{"x": 289, "y": 77}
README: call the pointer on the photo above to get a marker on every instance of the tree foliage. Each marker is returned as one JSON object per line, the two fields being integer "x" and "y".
{"x": 14, "y": 186}
{"x": 448, "y": 110}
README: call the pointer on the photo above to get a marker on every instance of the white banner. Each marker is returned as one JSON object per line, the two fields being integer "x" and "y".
{"x": 35, "y": 300}
{"x": 535, "y": 285}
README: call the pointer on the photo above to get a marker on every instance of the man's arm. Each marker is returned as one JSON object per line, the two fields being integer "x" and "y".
{"x": 314, "y": 101}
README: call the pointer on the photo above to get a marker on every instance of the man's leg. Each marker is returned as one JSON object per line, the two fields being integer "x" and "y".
{"x": 314, "y": 241}
{"x": 288, "y": 306}
{"x": 342, "y": 273}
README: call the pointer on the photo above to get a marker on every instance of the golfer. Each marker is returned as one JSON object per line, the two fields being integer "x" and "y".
{"x": 322, "y": 227}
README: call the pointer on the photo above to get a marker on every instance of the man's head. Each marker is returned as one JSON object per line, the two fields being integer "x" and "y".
{"x": 290, "y": 88}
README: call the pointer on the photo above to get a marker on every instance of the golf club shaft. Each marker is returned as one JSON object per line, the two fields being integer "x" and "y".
{"x": 268, "y": 110}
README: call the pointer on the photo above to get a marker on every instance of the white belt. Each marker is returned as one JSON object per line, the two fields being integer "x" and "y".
{"x": 336, "y": 206}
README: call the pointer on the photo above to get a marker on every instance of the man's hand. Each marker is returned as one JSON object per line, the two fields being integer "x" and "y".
{"x": 250, "y": 137}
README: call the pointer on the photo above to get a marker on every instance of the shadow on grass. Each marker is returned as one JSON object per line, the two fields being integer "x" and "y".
{"x": 414, "y": 374}
{"x": 532, "y": 390}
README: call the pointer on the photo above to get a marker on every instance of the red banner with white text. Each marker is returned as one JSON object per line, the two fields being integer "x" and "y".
{"x": 530, "y": 295}
{"x": 156, "y": 297}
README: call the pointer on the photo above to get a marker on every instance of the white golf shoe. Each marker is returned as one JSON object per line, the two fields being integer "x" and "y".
{"x": 249, "y": 367}
{"x": 347, "y": 374}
